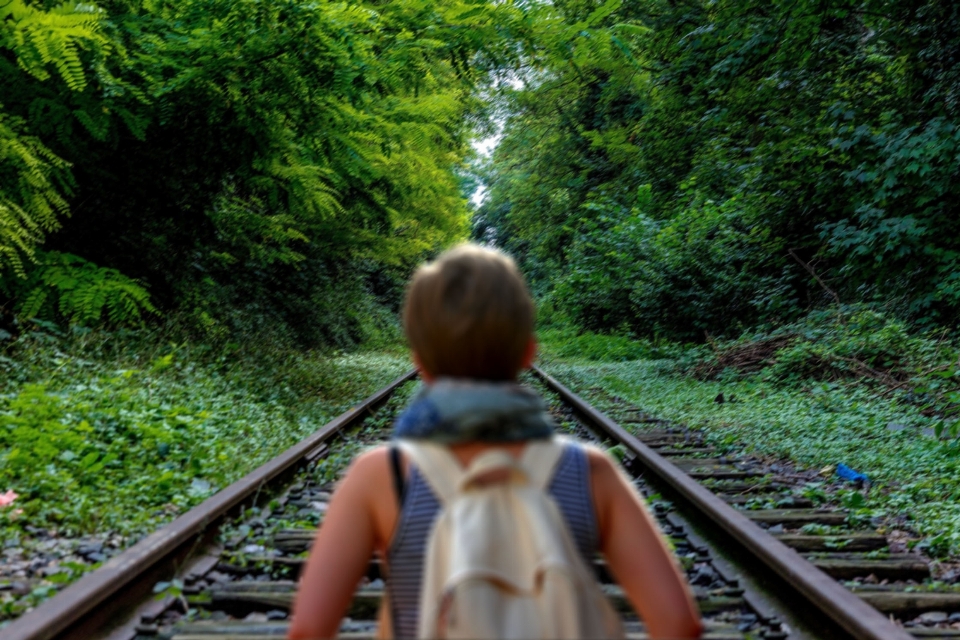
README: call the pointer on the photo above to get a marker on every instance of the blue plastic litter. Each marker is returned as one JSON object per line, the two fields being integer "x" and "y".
{"x": 850, "y": 475}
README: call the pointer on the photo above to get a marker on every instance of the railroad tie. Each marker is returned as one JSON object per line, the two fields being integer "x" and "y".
{"x": 240, "y": 598}
{"x": 847, "y": 541}
{"x": 240, "y": 630}
{"x": 796, "y": 517}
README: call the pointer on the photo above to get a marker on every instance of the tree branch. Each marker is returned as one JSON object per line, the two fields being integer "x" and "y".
{"x": 814, "y": 274}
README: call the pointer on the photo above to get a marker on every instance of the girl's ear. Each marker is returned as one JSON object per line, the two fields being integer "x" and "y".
{"x": 424, "y": 374}
{"x": 529, "y": 353}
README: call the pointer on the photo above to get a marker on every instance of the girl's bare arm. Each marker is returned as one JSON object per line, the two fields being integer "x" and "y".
{"x": 638, "y": 556}
{"x": 340, "y": 554}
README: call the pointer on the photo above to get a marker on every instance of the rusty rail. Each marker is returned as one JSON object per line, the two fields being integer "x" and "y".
{"x": 76, "y": 610}
{"x": 853, "y": 614}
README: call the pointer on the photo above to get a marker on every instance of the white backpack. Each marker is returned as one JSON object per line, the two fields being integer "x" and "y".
{"x": 500, "y": 562}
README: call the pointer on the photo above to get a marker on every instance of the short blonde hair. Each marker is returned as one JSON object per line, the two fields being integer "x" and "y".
{"x": 469, "y": 314}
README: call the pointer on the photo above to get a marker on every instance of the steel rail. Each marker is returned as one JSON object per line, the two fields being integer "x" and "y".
{"x": 853, "y": 614}
{"x": 75, "y": 603}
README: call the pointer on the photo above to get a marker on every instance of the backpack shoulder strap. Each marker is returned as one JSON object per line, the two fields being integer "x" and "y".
{"x": 441, "y": 470}
{"x": 540, "y": 459}
{"x": 399, "y": 483}
{"x": 445, "y": 475}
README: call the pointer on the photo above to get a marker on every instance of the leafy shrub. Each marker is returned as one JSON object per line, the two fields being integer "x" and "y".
{"x": 68, "y": 287}
{"x": 34, "y": 181}
{"x": 31, "y": 201}
{"x": 111, "y": 432}
{"x": 53, "y": 38}
{"x": 568, "y": 343}
{"x": 266, "y": 152}
{"x": 608, "y": 246}
{"x": 853, "y": 343}
{"x": 835, "y": 343}
{"x": 711, "y": 269}
{"x": 902, "y": 234}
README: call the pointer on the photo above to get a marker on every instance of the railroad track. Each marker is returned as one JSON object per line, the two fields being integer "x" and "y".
{"x": 227, "y": 569}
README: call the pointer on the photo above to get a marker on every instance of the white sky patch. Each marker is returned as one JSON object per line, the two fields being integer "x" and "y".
{"x": 486, "y": 146}
{"x": 479, "y": 195}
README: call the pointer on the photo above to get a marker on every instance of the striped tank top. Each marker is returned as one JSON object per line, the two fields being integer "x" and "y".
{"x": 570, "y": 488}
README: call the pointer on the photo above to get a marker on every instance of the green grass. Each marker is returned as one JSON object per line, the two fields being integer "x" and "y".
{"x": 914, "y": 476}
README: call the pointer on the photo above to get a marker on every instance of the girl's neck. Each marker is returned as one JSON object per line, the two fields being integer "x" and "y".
{"x": 465, "y": 452}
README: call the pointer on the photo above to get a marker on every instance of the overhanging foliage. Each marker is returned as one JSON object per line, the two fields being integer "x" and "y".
{"x": 682, "y": 169}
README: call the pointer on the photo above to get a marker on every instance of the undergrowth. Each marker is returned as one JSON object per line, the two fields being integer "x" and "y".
{"x": 847, "y": 345}
{"x": 119, "y": 432}
{"x": 913, "y": 476}
{"x": 566, "y": 342}
{"x": 845, "y": 386}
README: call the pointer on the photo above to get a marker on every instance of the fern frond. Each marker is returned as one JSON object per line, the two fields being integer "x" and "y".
{"x": 31, "y": 306}
{"x": 43, "y": 39}
{"x": 82, "y": 293}
{"x": 30, "y": 204}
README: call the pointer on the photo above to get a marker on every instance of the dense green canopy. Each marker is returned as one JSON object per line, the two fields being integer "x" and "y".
{"x": 668, "y": 168}
{"x": 708, "y": 165}
{"x": 252, "y": 160}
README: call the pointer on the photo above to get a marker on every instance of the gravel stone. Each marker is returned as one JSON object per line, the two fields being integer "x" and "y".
{"x": 90, "y": 547}
{"x": 216, "y": 576}
{"x": 932, "y": 617}
{"x": 704, "y": 576}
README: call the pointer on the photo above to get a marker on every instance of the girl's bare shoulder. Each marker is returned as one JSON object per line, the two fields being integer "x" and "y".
{"x": 601, "y": 463}
{"x": 370, "y": 468}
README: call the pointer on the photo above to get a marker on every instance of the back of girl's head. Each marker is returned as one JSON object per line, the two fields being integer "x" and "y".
{"x": 468, "y": 314}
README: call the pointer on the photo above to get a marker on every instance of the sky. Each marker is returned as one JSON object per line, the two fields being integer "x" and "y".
{"x": 484, "y": 147}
